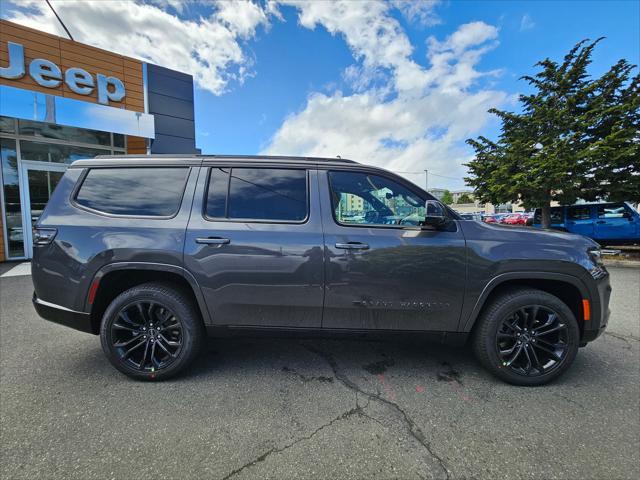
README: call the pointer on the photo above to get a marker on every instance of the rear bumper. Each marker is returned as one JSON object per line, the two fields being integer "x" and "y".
{"x": 63, "y": 316}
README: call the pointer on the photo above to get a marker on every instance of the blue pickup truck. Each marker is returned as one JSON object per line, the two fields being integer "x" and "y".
{"x": 606, "y": 223}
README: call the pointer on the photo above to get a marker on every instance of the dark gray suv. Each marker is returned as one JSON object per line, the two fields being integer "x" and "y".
{"x": 153, "y": 253}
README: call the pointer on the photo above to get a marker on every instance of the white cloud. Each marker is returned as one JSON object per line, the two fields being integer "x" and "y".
{"x": 526, "y": 23}
{"x": 402, "y": 114}
{"x": 418, "y": 118}
{"x": 208, "y": 47}
{"x": 420, "y": 11}
{"x": 374, "y": 37}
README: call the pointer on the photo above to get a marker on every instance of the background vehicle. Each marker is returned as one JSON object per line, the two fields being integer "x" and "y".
{"x": 606, "y": 223}
{"x": 471, "y": 216}
{"x": 495, "y": 217}
{"x": 515, "y": 219}
{"x": 153, "y": 252}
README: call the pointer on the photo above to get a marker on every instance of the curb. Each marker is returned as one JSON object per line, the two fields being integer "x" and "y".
{"x": 622, "y": 263}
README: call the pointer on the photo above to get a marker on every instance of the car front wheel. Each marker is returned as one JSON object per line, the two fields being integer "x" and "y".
{"x": 151, "y": 331}
{"x": 527, "y": 337}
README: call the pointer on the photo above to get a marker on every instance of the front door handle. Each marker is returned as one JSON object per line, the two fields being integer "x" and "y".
{"x": 213, "y": 241}
{"x": 352, "y": 246}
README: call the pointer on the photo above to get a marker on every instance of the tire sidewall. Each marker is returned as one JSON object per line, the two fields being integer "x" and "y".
{"x": 174, "y": 301}
{"x": 509, "y": 307}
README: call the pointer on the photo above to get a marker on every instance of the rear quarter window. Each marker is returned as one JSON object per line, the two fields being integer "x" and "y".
{"x": 144, "y": 192}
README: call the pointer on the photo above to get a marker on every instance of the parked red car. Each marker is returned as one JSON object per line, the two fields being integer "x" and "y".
{"x": 516, "y": 219}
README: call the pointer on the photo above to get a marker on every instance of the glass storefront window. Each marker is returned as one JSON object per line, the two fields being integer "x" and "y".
{"x": 118, "y": 140}
{"x": 60, "y": 132}
{"x": 13, "y": 218}
{"x": 48, "y": 152}
{"x": 41, "y": 185}
{"x": 7, "y": 125}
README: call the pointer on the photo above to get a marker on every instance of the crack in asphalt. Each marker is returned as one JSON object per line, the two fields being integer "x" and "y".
{"x": 357, "y": 410}
{"x": 412, "y": 428}
{"x": 625, "y": 338}
{"x": 306, "y": 379}
{"x": 569, "y": 400}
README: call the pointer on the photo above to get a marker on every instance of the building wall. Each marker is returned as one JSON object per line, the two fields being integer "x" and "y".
{"x": 136, "y": 145}
{"x": 170, "y": 95}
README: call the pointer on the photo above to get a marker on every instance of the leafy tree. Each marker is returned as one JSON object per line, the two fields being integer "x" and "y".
{"x": 465, "y": 198}
{"x": 447, "y": 198}
{"x": 576, "y": 137}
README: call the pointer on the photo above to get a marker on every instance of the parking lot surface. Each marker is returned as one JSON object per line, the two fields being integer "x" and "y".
{"x": 313, "y": 408}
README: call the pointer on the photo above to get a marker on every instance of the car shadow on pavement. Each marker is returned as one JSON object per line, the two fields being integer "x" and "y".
{"x": 318, "y": 358}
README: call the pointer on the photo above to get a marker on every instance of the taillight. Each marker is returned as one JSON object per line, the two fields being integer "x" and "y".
{"x": 43, "y": 236}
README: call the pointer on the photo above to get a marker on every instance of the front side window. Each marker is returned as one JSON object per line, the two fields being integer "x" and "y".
{"x": 266, "y": 194}
{"x": 365, "y": 199}
{"x": 155, "y": 192}
{"x": 612, "y": 211}
{"x": 579, "y": 213}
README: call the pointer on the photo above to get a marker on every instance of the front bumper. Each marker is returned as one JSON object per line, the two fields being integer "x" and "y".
{"x": 600, "y": 293}
{"x": 62, "y": 315}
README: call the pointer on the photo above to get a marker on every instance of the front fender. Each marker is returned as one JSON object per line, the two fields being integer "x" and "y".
{"x": 503, "y": 278}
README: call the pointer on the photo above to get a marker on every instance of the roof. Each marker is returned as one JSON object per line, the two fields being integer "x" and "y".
{"x": 190, "y": 159}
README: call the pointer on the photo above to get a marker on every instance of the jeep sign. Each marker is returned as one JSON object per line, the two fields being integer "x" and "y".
{"x": 48, "y": 74}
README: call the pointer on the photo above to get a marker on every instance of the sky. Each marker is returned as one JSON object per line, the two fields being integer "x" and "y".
{"x": 397, "y": 84}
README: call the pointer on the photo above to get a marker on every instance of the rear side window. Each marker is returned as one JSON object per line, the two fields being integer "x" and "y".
{"x": 267, "y": 194}
{"x": 579, "y": 213}
{"x": 153, "y": 192}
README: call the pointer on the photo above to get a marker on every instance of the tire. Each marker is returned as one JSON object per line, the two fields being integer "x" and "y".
{"x": 541, "y": 322}
{"x": 169, "y": 345}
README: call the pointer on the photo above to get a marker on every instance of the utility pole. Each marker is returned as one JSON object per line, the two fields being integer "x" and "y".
{"x": 426, "y": 179}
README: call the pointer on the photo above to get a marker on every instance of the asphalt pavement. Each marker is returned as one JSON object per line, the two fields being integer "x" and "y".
{"x": 298, "y": 408}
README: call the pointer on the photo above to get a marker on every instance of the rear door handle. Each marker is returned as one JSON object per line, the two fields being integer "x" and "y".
{"x": 352, "y": 246}
{"x": 213, "y": 241}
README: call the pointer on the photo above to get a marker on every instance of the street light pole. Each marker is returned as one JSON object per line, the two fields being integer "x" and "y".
{"x": 426, "y": 179}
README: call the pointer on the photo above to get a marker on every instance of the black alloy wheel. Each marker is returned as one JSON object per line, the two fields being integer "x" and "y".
{"x": 152, "y": 331}
{"x": 146, "y": 336}
{"x": 532, "y": 341}
{"x": 526, "y": 336}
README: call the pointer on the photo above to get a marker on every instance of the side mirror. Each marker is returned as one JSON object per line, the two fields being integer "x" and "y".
{"x": 435, "y": 214}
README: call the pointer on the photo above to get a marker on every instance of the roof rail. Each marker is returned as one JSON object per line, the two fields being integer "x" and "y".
{"x": 249, "y": 157}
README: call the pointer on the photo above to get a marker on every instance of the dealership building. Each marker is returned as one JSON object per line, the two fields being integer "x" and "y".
{"x": 60, "y": 101}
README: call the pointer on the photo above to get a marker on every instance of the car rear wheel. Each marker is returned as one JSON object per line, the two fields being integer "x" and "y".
{"x": 151, "y": 331}
{"x": 527, "y": 337}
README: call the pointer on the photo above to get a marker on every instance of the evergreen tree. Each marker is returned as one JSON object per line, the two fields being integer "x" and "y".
{"x": 576, "y": 137}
